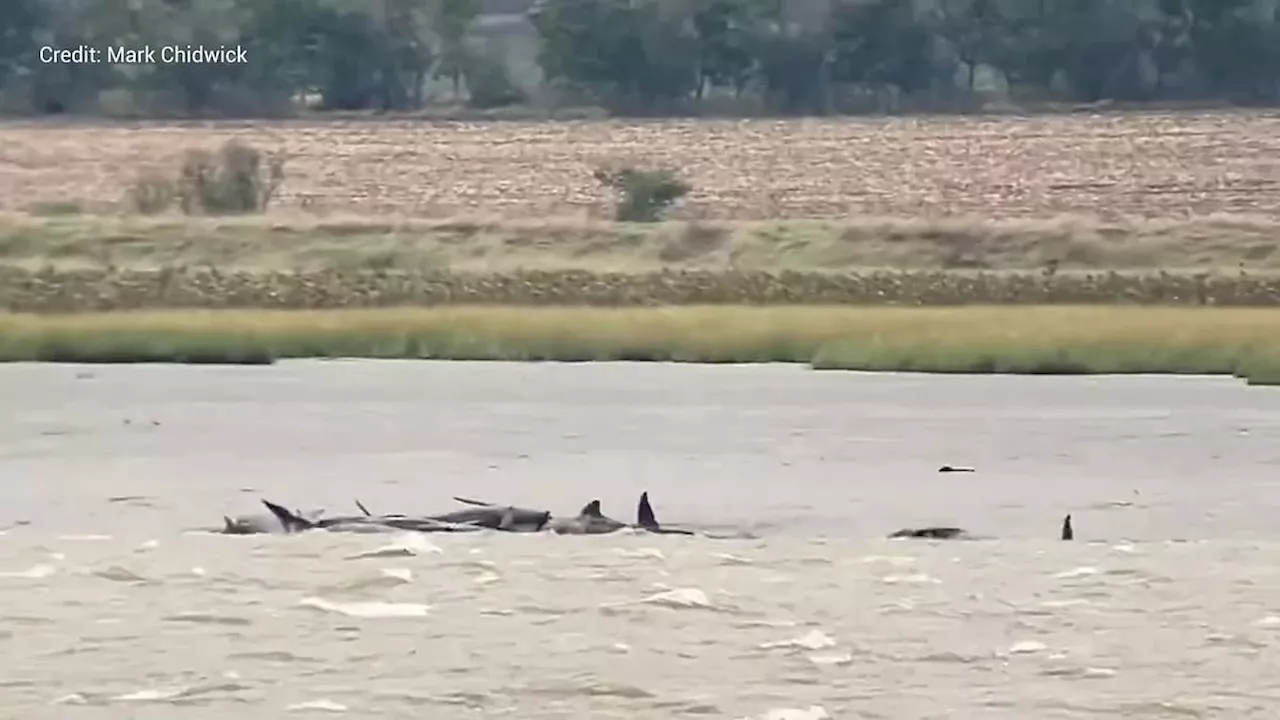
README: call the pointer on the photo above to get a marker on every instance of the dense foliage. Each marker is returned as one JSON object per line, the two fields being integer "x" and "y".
{"x": 644, "y": 56}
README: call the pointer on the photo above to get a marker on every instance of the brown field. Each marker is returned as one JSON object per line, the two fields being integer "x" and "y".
{"x": 1152, "y": 165}
{"x": 396, "y": 212}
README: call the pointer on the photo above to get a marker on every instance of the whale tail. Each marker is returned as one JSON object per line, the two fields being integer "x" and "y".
{"x": 644, "y": 513}
{"x": 1068, "y": 532}
{"x": 289, "y": 520}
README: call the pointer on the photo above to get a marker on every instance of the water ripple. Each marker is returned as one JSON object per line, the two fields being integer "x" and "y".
{"x": 654, "y": 630}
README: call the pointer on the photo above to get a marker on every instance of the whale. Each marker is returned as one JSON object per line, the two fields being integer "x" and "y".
{"x": 590, "y": 520}
{"x": 294, "y": 523}
{"x": 1067, "y": 532}
{"x": 932, "y": 533}
{"x": 261, "y": 523}
{"x": 507, "y": 518}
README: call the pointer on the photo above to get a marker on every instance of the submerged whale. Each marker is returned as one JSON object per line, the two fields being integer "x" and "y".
{"x": 486, "y": 516}
{"x": 262, "y": 523}
{"x": 497, "y": 517}
{"x": 590, "y": 520}
{"x": 294, "y": 523}
{"x": 954, "y": 533}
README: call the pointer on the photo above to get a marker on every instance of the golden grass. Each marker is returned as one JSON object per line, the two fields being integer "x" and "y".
{"x": 1245, "y": 342}
{"x": 1161, "y": 164}
{"x": 293, "y": 241}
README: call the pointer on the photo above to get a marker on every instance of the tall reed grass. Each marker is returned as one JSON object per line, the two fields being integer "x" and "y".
{"x": 1038, "y": 339}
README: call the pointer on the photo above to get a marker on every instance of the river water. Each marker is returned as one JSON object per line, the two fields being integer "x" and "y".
{"x": 1168, "y": 604}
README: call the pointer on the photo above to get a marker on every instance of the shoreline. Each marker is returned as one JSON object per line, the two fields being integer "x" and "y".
{"x": 1053, "y": 340}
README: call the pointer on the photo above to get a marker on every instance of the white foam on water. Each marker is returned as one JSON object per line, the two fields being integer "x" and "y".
{"x": 1026, "y": 647}
{"x": 152, "y": 695}
{"x": 643, "y": 553}
{"x": 367, "y": 609}
{"x": 895, "y": 560}
{"x": 812, "y": 640}
{"x": 914, "y": 579}
{"x": 407, "y": 545}
{"x": 837, "y": 660}
{"x": 402, "y": 574}
{"x": 813, "y": 712}
{"x": 679, "y": 598}
{"x": 1078, "y": 572}
{"x": 35, "y": 572}
{"x": 322, "y": 705}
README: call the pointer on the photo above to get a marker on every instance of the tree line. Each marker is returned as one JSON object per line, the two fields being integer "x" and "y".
{"x": 650, "y": 57}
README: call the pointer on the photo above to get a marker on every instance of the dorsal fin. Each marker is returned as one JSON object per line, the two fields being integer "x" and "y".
{"x": 644, "y": 513}
{"x": 291, "y": 522}
{"x": 591, "y": 509}
{"x": 229, "y": 527}
{"x": 542, "y": 523}
{"x": 1068, "y": 532}
{"x": 363, "y": 509}
{"x": 508, "y": 521}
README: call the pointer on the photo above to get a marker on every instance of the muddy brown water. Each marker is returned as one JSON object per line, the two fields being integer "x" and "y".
{"x": 1168, "y": 605}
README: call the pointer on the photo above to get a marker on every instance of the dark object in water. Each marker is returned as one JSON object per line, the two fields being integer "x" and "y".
{"x": 294, "y": 523}
{"x": 955, "y": 533}
{"x": 932, "y": 533}
{"x": 955, "y": 468}
{"x": 646, "y": 520}
{"x": 497, "y": 517}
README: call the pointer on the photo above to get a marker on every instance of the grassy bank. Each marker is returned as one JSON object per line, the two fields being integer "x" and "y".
{"x": 1056, "y": 340}
{"x": 60, "y": 236}
{"x": 54, "y": 291}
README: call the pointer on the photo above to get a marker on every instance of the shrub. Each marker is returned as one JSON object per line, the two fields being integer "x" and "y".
{"x": 151, "y": 194}
{"x": 234, "y": 181}
{"x": 643, "y": 195}
{"x": 489, "y": 85}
